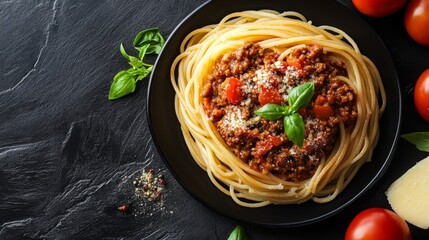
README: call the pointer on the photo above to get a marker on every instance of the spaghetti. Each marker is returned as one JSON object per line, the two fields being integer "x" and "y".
{"x": 274, "y": 38}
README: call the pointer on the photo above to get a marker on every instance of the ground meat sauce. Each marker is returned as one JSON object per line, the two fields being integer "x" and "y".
{"x": 244, "y": 80}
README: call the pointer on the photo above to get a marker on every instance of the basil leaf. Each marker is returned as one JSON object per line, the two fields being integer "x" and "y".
{"x": 270, "y": 111}
{"x": 123, "y": 52}
{"x": 238, "y": 234}
{"x": 301, "y": 96}
{"x": 294, "y": 128}
{"x": 123, "y": 84}
{"x": 153, "y": 46}
{"x": 420, "y": 139}
{"x": 293, "y": 123}
{"x": 146, "y": 42}
{"x": 151, "y": 37}
{"x": 143, "y": 50}
{"x": 141, "y": 73}
{"x": 135, "y": 62}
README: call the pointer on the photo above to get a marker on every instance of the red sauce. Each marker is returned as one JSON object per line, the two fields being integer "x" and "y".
{"x": 244, "y": 80}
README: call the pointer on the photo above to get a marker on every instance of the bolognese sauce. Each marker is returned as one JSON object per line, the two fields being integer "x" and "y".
{"x": 244, "y": 80}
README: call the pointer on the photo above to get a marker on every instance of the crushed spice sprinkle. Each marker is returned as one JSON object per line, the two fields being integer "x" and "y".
{"x": 150, "y": 185}
{"x": 147, "y": 193}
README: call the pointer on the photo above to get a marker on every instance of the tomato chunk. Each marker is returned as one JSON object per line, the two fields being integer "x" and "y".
{"x": 321, "y": 108}
{"x": 267, "y": 144}
{"x": 321, "y": 100}
{"x": 302, "y": 112}
{"x": 323, "y": 111}
{"x": 269, "y": 95}
{"x": 233, "y": 90}
{"x": 298, "y": 63}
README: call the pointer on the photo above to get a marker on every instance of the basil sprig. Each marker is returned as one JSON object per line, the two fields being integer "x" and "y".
{"x": 420, "y": 139}
{"x": 293, "y": 123}
{"x": 146, "y": 42}
{"x": 238, "y": 234}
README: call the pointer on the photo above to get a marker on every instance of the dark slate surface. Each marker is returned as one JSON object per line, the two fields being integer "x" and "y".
{"x": 68, "y": 155}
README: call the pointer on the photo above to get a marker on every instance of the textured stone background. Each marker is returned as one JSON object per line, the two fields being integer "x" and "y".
{"x": 67, "y": 153}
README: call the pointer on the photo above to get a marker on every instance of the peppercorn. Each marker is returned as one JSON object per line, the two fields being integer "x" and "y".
{"x": 123, "y": 208}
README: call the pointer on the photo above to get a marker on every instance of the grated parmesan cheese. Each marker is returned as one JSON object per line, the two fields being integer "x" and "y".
{"x": 234, "y": 119}
{"x": 278, "y": 64}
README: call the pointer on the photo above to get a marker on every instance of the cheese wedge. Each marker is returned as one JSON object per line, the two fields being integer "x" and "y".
{"x": 409, "y": 195}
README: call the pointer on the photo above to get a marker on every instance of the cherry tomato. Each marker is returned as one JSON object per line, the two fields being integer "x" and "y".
{"x": 421, "y": 95}
{"x": 416, "y": 21}
{"x": 378, "y": 8}
{"x": 378, "y": 224}
{"x": 233, "y": 90}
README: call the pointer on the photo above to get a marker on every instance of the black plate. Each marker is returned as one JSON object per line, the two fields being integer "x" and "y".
{"x": 168, "y": 138}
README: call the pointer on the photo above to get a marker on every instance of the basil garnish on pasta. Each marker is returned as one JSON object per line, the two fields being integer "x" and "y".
{"x": 293, "y": 123}
{"x": 250, "y": 59}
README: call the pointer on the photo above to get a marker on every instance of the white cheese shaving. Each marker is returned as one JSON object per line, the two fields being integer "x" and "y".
{"x": 409, "y": 195}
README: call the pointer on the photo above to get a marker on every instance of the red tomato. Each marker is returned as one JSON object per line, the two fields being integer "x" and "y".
{"x": 378, "y": 224}
{"x": 321, "y": 108}
{"x": 323, "y": 111}
{"x": 321, "y": 100}
{"x": 421, "y": 95}
{"x": 269, "y": 95}
{"x": 417, "y": 21}
{"x": 378, "y": 8}
{"x": 233, "y": 90}
{"x": 302, "y": 112}
{"x": 267, "y": 144}
{"x": 298, "y": 63}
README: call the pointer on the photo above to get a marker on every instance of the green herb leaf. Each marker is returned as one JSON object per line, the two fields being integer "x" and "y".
{"x": 123, "y": 83}
{"x": 301, "y": 96}
{"x": 151, "y": 39}
{"x": 420, "y": 139}
{"x": 123, "y": 52}
{"x": 146, "y": 42}
{"x": 293, "y": 123}
{"x": 135, "y": 62}
{"x": 155, "y": 47}
{"x": 270, "y": 111}
{"x": 294, "y": 128}
{"x": 238, "y": 234}
{"x": 141, "y": 73}
{"x": 143, "y": 51}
